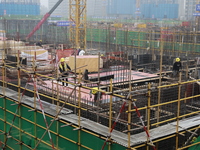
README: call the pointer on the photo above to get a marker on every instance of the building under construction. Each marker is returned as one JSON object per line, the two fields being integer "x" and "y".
{"x": 142, "y": 105}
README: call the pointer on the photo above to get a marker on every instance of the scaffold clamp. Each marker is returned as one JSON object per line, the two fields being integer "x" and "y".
{"x": 77, "y": 128}
{"x": 66, "y": 125}
{"x": 32, "y": 110}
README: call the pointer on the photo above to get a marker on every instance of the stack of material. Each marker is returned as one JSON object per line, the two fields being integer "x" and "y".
{"x": 48, "y": 69}
{"x": 10, "y": 43}
{"x": 91, "y": 62}
{"x": 28, "y": 52}
{"x": 14, "y": 50}
{"x": 39, "y": 54}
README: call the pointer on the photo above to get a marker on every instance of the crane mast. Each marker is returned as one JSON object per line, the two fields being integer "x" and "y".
{"x": 138, "y": 8}
{"x": 78, "y": 27}
{"x": 197, "y": 17}
{"x": 138, "y": 3}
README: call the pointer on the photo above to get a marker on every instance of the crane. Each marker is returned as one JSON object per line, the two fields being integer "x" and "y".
{"x": 78, "y": 17}
{"x": 197, "y": 17}
{"x": 46, "y": 16}
{"x": 138, "y": 3}
{"x": 138, "y": 8}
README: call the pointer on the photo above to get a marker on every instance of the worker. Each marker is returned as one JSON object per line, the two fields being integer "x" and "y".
{"x": 85, "y": 76}
{"x": 39, "y": 43}
{"x": 64, "y": 70}
{"x": 81, "y": 53}
{"x": 176, "y": 67}
{"x": 97, "y": 94}
{"x": 78, "y": 51}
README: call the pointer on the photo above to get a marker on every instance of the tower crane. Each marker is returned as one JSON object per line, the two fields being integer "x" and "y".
{"x": 138, "y": 3}
{"x": 197, "y": 17}
{"x": 77, "y": 16}
{"x": 46, "y": 16}
{"x": 138, "y": 8}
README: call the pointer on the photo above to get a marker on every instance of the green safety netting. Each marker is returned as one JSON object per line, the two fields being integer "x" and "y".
{"x": 24, "y": 129}
{"x": 195, "y": 147}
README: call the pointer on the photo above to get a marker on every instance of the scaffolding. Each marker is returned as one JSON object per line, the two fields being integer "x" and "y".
{"x": 142, "y": 106}
{"x": 134, "y": 113}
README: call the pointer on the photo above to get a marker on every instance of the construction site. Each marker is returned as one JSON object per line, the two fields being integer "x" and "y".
{"x": 120, "y": 94}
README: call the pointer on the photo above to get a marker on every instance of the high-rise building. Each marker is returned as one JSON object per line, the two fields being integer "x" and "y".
{"x": 20, "y": 7}
{"x": 96, "y": 7}
{"x": 155, "y": 9}
{"x": 21, "y": 1}
{"x": 158, "y": 1}
{"x": 186, "y": 9}
{"x": 121, "y": 8}
{"x": 62, "y": 10}
{"x": 99, "y": 7}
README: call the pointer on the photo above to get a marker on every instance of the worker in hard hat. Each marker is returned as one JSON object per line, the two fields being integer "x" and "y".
{"x": 176, "y": 67}
{"x": 81, "y": 53}
{"x": 39, "y": 43}
{"x": 64, "y": 70}
{"x": 97, "y": 94}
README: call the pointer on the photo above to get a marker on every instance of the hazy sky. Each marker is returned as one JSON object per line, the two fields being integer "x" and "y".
{"x": 44, "y": 2}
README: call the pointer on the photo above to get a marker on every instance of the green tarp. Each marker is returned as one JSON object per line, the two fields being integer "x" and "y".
{"x": 196, "y": 147}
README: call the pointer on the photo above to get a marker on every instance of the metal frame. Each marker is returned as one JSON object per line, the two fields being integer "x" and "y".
{"x": 78, "y": 17}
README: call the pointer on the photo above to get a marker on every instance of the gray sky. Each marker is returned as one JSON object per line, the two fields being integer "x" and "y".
{"x": 44, "y": 2}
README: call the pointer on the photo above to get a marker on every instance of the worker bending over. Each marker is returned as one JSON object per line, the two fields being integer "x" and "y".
{"x": 64, "y": 70}
{"x": 39, "y": 43}
{"x": 85, "y": 76}
{"x": 176, "y": 67}
{"x": 97, "y": 95}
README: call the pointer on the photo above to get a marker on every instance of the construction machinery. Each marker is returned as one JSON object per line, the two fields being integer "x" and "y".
{"x": 46, "y": 16}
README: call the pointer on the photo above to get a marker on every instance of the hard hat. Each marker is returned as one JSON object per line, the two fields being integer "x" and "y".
{"x": 94, "y": 90}
{"x": 177, "y": 59}
{"x": 62, "y": 59}
{"x": 40, "y": 40}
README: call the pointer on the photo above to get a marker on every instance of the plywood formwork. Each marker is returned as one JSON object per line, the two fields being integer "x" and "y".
{"x": 91, "y": 62}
